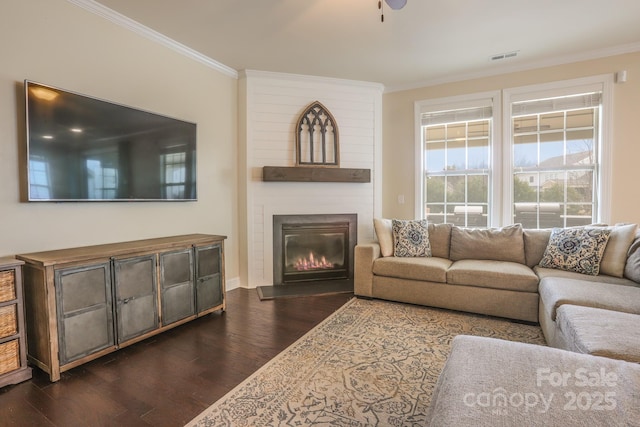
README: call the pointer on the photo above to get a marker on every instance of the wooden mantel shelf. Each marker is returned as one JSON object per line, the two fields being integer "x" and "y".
{"x": 313, "y": 174}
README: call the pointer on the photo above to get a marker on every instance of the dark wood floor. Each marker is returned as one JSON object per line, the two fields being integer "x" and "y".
{"x": 172, "y": 377}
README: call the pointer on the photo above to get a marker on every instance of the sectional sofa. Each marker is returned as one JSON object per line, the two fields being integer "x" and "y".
{"x": 515, "y": 273}
{"x": 581, "y": 284}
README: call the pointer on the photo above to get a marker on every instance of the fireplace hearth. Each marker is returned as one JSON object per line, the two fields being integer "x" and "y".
{"x": 313, "y": 251}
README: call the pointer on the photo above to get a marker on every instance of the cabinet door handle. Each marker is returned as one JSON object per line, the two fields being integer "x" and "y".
{"x": 126, "y": 300}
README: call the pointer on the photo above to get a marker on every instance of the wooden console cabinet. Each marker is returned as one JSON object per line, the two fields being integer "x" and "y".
{"x": 83, "y": 303}
{"x": 13, "y": 346}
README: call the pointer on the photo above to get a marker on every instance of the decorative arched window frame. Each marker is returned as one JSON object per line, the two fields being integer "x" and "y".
{"x": 316, "y": 121}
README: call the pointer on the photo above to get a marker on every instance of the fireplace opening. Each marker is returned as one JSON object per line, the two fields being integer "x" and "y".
{"x": 309, "y": 248}
{"x": 315, "y": 252}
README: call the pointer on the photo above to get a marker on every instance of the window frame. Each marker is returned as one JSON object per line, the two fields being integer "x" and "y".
{"x": 501, "y": 168}
{"x": 491, "y": 98}
{"x": 603, "y": 167}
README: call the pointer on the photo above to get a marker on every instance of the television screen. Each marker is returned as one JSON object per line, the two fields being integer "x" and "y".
{"x": 82, "y": 148}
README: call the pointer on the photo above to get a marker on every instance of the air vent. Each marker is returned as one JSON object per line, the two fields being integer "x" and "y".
{"x": 502, "y": 56}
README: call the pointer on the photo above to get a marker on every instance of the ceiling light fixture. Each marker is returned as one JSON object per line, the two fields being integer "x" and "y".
{"x": 393, "y": 4}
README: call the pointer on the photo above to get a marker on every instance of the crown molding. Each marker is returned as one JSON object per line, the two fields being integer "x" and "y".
{"x": 144, "y": 31}
{"x": 274, "y": 75}
{"x": 549, "y": 62}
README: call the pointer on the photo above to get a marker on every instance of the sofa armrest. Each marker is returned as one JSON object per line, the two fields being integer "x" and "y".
{"x": 364, "y": 256}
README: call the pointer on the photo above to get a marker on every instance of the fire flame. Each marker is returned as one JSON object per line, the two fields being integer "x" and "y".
{"x": 311, "y": 263}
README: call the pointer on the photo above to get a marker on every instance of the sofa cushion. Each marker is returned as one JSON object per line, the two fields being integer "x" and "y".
{"x": 383, "y": 228}
{"x": 632, "y": 267}
{"x": 576, "y": 249}
{"x": 601, "y": 278}
{"x": 430, "y": 269}
{"x": 411, "y": 238}
{"x": 490, "y": 382}
{"x": 535, "y": 243}
{"x": 498, "y": 244}
{"x": 493, "y": 274}
{"x": 439, "y": 237}
{"x": 615, "y": 254}
{"x": 600, "y": 332}
{"x": 554, "y": 292}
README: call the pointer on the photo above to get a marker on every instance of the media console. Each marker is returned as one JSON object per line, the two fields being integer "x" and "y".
{"x": 83, "y": 303}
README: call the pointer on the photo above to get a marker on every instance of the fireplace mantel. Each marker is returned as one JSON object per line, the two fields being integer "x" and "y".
{"x": 314, "y": 174}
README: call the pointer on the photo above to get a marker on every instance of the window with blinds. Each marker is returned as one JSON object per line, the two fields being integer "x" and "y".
{"x": 456, "y": 146}
{"x": 555, "y": 160}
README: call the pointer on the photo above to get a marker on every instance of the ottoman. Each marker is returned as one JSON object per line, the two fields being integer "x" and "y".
{"x": 491, "y": 382}
{"x": 600, "y": 332}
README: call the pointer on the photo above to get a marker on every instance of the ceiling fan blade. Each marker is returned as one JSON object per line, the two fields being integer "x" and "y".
{"x": 396, "y": 4}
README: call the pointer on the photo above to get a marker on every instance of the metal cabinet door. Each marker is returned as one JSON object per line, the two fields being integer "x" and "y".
{"x": 84, "y": 310}
{"x": 176, "y": 283}
{"x": 136, "y": 297}
{"x": 208, "y": 277}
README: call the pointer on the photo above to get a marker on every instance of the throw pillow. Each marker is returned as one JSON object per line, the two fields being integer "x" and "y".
{"x": 411, "y": 238}
{"x": 632, "y": 268}
{"x": 385, "y": 235}
{"x": 576, "y": 249}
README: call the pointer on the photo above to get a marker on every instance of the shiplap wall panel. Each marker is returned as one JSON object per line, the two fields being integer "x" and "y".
{"x": 273, "y": 105}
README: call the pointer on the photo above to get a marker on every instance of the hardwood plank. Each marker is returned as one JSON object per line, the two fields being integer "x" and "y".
{"x": 168, "y": 379}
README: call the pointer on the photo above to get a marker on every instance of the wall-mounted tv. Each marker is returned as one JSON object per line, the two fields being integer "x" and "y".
{"x": 80, "y": 148}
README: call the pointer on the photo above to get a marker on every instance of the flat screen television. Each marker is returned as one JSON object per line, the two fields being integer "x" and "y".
{"x": 80, "y": 148}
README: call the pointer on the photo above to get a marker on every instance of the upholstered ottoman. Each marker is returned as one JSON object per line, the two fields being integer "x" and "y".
{"x": 600, "y": 332}
{"x": 491, "y": 382}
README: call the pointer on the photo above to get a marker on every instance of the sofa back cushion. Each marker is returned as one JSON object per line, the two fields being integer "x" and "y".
{"x": 632, "y": 268}
{"x": 535, "y": 243}
{"x": 384, "y": 232}
{"x": 439, "y": 237}
{"x": 615, "y": 254}
{"x": 499, "y": 244}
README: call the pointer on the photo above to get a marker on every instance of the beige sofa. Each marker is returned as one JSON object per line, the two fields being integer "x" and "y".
{"x": 496, "y": 272}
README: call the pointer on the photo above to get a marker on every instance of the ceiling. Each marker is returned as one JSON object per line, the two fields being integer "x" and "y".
{"x": 427, "y": 42}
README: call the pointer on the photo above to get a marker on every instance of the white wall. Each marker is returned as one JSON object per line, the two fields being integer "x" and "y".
{"x": 270, "y": 106}
{"x": 58, "y": 43}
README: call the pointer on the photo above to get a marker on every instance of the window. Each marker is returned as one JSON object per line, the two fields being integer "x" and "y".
{"x": 555, "y": 160}
{"x": 547, "y": 167}
{"x": 456, "y": 149}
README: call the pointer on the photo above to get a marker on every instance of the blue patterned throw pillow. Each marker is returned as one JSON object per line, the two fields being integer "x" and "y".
{"x": 411, "y": 238}
{"x": 576, "y": 249}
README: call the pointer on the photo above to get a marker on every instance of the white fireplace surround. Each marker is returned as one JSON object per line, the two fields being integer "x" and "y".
{"x": 268, "y": 116}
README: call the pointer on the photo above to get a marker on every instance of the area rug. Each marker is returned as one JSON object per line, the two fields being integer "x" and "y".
{"x": 371, "y": 363}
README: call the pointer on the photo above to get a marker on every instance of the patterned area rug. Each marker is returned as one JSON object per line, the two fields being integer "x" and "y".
{"x": 371, "y": 363}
